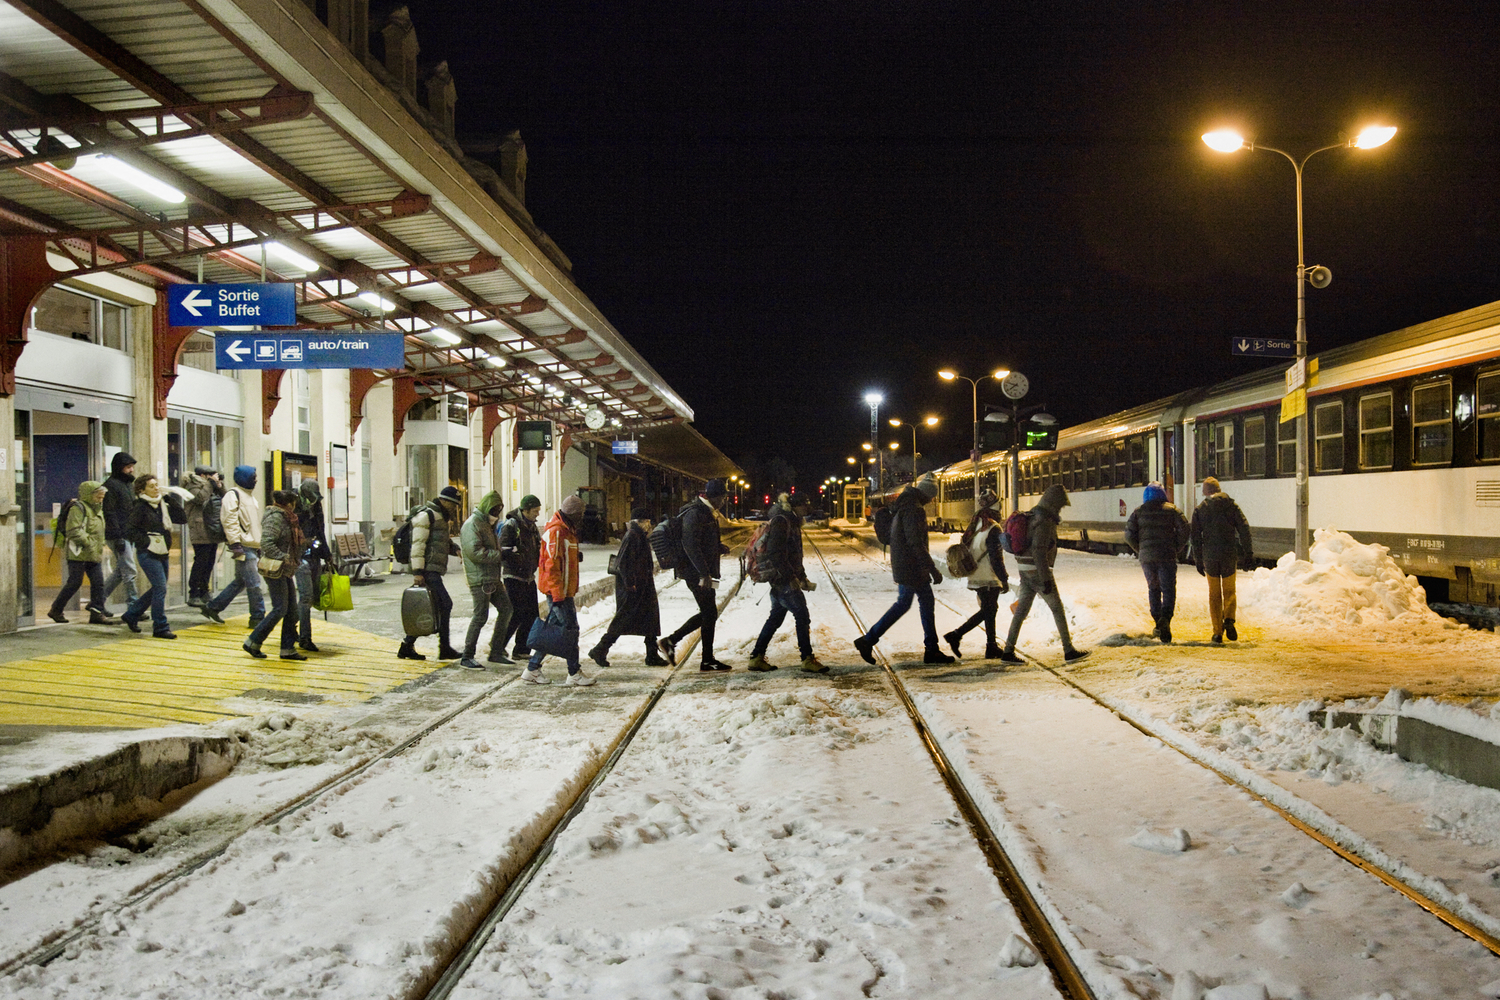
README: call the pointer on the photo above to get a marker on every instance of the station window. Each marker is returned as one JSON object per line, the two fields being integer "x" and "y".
{"x": 1376, "y": 438}
{"x": 1286, "y": 447}
{"x": 69, "y": 313}
{"x": 1328, "y": 437}
{"x": 1432, "y": 424}
{"x": 1255, "y": 447}
{"x": 1487, "y": 405}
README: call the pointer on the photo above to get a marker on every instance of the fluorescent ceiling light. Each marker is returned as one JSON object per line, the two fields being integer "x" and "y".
{"x": 140, "y": 179}
{"x": 383, "y": 304}
{"x": 443, "y": 335}
{"x": 292, "y": 257}
{"x": 494, "y": 360}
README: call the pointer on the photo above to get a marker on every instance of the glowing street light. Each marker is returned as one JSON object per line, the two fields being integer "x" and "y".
{"x": 949, "y": 375}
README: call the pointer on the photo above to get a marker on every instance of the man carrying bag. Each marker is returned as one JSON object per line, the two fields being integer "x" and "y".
{"x": 557, "y": 575}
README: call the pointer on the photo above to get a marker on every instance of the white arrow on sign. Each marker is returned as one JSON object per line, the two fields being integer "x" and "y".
{"x": 236, "y": 352}
{"x": 1244, "y": 345}
{"x": 192, "y": 303}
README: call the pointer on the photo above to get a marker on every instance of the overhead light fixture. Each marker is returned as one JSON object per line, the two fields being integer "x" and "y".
{"x": 1224, "y": 140}
{"x": 1375, "y": 135}
{"x": 304, "y": 264}
{"x": 445, "y": 336}
{"x": 378, "y": 301}
{"x": 141, "y": 179}
{"x": 494, "y": 360}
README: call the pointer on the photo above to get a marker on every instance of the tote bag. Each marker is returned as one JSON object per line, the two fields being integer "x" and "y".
{"x": 549, "y": 636}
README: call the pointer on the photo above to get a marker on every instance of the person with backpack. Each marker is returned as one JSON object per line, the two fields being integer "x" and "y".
{"x": 149, "y": 530}
{"x": 698, "y": 568}
{"x": 1221, "y": 541}
{"x": 912, "y": 569}
{"x": 557, "y": 574}
{"x": 1034, "y": 563}
{"x": 778, "y": 561}
{"x": 989, "y": 579}
{"x": 205, "y": 529}
{"x": 432, "y": 542}
{"x": 481, "y": 549}
{"x": 1158, "y": 533}
{"x": 80, "y": 529}
{"x": 520, "y": 551}
{"x": 636, "y": 609}
{"x": 281, "y": 546}
{"x": 239, "y": 513}
{"x": 119, "y": 497}
{"x": 315, "y": 555}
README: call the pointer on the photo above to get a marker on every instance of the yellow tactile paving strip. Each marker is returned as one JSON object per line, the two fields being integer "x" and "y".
{"x": 140, "y": 682}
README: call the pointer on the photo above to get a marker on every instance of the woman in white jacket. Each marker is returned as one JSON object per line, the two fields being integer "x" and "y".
{"x": 989, "y": 579}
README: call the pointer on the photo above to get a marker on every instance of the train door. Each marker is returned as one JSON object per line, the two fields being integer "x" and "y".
{"x": 1184, "y": 458}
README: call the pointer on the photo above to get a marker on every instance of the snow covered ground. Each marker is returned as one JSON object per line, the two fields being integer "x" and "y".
{"x": 784, "y": 835}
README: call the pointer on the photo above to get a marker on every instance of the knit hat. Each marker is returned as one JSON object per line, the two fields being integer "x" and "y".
{"x": 120, "y": 461}
{"x": 1210, "y": 486}
{"x": 987, "y": 498}
{"x": 1055, "y": 499}
{"x": 311, "y": 491}
{"x": 451, "y": 494}
{"x": 529, "y": 501}
{"x": 244, "y": 476}
{"x": 572, "y": 506}
{"x": 1154, "y": 491}
{"x": 714, "y": 489}
{"x": 927, "y": 486}
{"x": 204, "y": 470}
{"x": 640, "y": 514}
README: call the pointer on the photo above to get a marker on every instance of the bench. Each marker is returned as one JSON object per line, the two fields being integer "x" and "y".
{"x": 353, "y": 554}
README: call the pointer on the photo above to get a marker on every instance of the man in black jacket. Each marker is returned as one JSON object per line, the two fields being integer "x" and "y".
{"x": 520, "y": 550}
{"x": 1221, "y": 540}
{"x": 119, "y": 497}
{"x": 699, "y": 570}
{"x": 636, "y": 610}
{"x": 913, "y": 570}
{"x": 1158, "y": 533}
{"x": 781, "y": 567}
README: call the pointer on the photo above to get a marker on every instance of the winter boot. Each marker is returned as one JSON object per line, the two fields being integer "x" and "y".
{"x": 97, "y": 617}
{"x": 936, "y": 655}
{"x": 498, "y": 656}
{"x": 866, "y": 649}
{"x": 759, "y": 665}
{"x": 1156, "y": 628}
{"x": 653, "y": 658}
{"x": 992, "y": 652}
{"x": 600, "y": 654}
{"x": 57, "y": 616}
{"x": 292, "y": 654}
{"x": 668, "y": 649}
{"x": 1164, "y": 630}
{"x": 253, "y": 648}
{"x": 1008, "y": 655}
{"x": 1229, "y": 630}
{"x": 812, "y": 665}
{"x": 1074, "y": 655}
{"x": 470, "y": 663}
{"x": 408, "y": 651}
{"x": 953, "y": 639}
{"x": 447, "y": 652}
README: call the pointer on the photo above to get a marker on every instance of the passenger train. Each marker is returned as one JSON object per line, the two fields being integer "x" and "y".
{"x": 1404, "y": 450}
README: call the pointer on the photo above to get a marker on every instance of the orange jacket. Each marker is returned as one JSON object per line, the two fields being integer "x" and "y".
{"x": 557, "y": 571}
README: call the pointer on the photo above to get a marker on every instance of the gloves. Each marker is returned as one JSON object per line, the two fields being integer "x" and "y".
{"x": 937, "y": 577}
{"x": 1201, "y": 570}
{"x": 421, "y": 577}
{"x": 237, "y": 550}
{"x": 1004, "y": 586}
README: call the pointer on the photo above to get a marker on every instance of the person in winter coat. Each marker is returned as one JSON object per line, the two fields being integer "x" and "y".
{"x": 699, "y": 570}
{"x": 119, "y": 497}
{"x": 989, "y": 579}
{"x": 315, "y": 556}
{"x": 481, "y": 549}
{"x": 1035, "y": 566}
{"x": 83, "y": 541}
{"x": 913, "y": 570}
{"x": 520, "y": 549}
{"x": 432, "y": 542}
{"x": 1158, "y": 533}
{"x": 1221, "y": 541}
{"x": 782, "y": 568}
{"x": 239, "y": 513}
{"x": 204, "y": 484}
{"x": 281, "y": 545}
{"x": 636, "y": 609}
{"x": 557, "y": 574}
{"x": 150, "y": 533}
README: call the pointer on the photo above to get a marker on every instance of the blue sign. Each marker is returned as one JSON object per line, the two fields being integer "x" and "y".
{"x": 310, "y": 349}
{"x": 268, "y": 304}
{"x": 1250, "y": 347}
{"x": 626, "y": 448}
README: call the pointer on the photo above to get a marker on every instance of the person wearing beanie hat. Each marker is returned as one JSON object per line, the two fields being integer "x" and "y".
{"x": 240, "y": 517}
{"x": 636, "y": 609}
{"x": 119, "y": 497}
{"x": 780, "y": 565}
{"x": 520, "y": 550}
{"x": 1221, "y": 542}
{"x": 481, "y": 549}
{"x": 989, "y": 579}
{"x": 1158, "y": 533}
{"x": 433, "y": 529}
{"x": 315, "y": 555}
{"x": 557, "y": 575}
{"x": 1035, "y": 565}
{"x": 699, "y": 571}
{"x": 913, "y": 570}
{"x": 205, "y": 486}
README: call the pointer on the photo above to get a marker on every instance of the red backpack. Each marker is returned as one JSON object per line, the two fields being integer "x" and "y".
{"x": 1017, "y": 536}
{"x": 754, "y": 558}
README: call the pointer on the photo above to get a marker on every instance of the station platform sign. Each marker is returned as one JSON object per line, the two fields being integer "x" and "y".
{"x": 1253, "y": 347}
{"x": 309, "y": 349}
{"x": 248, "y": 304}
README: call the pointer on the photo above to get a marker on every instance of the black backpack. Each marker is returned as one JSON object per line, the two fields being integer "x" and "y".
{"x": 60, "y": 523}
{"x": 213, "y": 520}
{"x": 883, "y": 519}
{"x": 666, "y": 541}
{"x": 401, "y": 543}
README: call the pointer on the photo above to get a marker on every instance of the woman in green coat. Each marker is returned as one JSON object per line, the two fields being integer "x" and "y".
{"x": 82, "y": 529}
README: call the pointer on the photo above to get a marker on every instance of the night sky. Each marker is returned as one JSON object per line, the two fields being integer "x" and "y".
{"x": 782, "y": 205}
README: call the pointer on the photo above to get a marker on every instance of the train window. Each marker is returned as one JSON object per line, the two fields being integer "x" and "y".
{"x": 1487, "y": 405}
{"x": 1224, "y": 449}
{"x": 1203, "y": 438}
{"x": 1328, "y": 433}
{"x": 1138, "y": 460}
{"x": 1122, "y": 464}
{"x": 1255, "y": 446}
{"x": 1088, "y": 469}
{"x": 1376, "y": 439}
{"x": 1286, "y": 448}
{"x": 1432, "y": 424}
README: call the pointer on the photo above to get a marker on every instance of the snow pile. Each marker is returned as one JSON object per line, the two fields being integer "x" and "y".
{"x": 281, "y": 739}
{"x": 1344, "y": 582}
{"x": 1457, "y": 718}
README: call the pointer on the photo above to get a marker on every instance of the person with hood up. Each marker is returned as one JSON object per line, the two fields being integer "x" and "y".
{"x": 1158, "y": 533}
{"x": 315, "y": 556}
{"x": 203, "y": 483}
{"x": 636, "y": 609}
{"x": 989, "y": 579}
{"x": 913, "y": 570}
{"x": 781, "y": 567}
{"x": 520, "y": 550}
{"x": 239, "y": 513}
{"x": 1221, "y": 541}
{"x": 83, "y": 533}
{"x": 699, "y": 570}
{"x": 1035, "y": 567}
{"x": 557, "y": 573}
{"x": 119, "y": 497}
{"x": 481, "y": 548}
{"x": 150, "y": 532}
{"x": 432, "y": 542}
{"x": 281, "y": 546}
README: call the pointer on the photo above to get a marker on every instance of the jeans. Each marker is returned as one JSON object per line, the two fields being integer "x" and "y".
{"x": 497, "y": 598}
{"x": 246, "y": 578}
{"x": 309, "y": 578}
{"x": 1161, "y": 587}
{"x": 708, "y": 613}
{"x": 523, "y": 604}
{"x": 1221, "y": 601}
{"x": 155, "y": 568}
{"x": 1031, "y": 586}
{"x": 569, "y": 617}
{"x": 904, "y": 595}
{"x": 283, "y": 594}
{"x": 784, "y": 598}
{"x": 442, "y": 607}
{"x": 76, "y": 572}
{"x": 205, "y": 554}
{"x": 124, "y": 571}
{"x": 989, "y": 605}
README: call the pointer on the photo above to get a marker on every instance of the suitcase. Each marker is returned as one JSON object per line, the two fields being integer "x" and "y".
{"x": 417, "y": 615}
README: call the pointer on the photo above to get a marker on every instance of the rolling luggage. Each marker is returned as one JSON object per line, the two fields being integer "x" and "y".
{"x": 417, "y": 614}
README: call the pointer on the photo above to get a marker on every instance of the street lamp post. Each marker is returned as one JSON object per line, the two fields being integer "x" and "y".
{"x": 948, "y": 375}
{"x": 1228, "y": 141}
{"x": 930, "y": 422}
